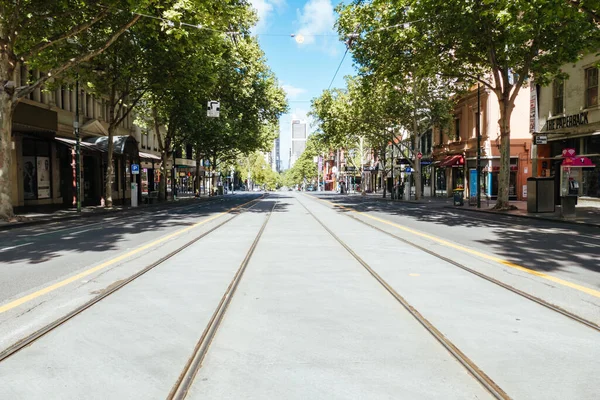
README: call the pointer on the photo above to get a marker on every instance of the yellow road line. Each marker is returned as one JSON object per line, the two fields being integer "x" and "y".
{"x": 584, "y": 289}
{"x": 51, "y": 288}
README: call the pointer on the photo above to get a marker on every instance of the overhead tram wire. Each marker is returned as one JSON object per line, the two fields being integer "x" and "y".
{"x": 338, "y": 68}
{"x": 202, "y": 27}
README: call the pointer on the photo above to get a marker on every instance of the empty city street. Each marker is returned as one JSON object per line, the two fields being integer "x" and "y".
{"x": 292, "y": 295}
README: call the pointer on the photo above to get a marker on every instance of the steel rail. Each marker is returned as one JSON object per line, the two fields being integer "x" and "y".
{"x": 194, "y": 363}
{"x": 28, "y": 340}
{"x": 481, "y": 275}
{"x": 462, "y": 358}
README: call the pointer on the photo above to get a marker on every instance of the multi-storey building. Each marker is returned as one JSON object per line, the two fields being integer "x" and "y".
{"x": 455, "y": 149}
{"x": 569, "y": 118}
{"x": 299, "y": 136}
{"x": 43, "y": 150}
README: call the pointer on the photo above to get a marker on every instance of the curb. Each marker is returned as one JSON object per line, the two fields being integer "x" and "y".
{"x": 103, "y": 212}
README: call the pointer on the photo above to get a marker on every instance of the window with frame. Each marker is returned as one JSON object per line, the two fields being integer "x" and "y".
{"x": 558, "y": 97}
{"x": 456, "y": 129}
{"x": 591, "y": 87}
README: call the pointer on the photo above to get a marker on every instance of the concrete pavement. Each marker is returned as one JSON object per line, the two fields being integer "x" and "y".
{"x": 308, "y": 320}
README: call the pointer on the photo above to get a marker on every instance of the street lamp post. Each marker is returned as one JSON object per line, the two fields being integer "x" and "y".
{"x": 478, "y": 146}
{"x": 77, "y": 149}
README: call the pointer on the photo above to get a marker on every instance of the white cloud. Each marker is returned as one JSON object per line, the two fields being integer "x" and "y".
{"x": 264, "y": 9}
{"x": 292, "y": 91}
{"x": 316, "y": 18}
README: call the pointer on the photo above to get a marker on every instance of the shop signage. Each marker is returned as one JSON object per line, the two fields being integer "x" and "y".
{"x": 541, "y": 139}
{"x": 569, "y": 121}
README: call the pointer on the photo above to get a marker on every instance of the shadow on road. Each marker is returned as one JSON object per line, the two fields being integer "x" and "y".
{"x": 102, "y": 234}
{"x": 538, "y": 245}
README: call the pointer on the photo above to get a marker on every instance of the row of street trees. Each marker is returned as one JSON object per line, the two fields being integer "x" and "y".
{"x": 162, "y": 60}
{"x": 415, "y": 57}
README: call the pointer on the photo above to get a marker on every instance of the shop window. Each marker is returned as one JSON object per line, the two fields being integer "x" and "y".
{"x": 36, "y": 170}
{"x": 591, "y": 87}
{"x": 558, "y": 93}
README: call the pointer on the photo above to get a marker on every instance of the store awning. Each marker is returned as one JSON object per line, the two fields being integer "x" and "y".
{"x": 119, "y": 143}
{"x": 83, "y": 145}
{"x": 148, "y": 156}
{"x": 456, "y": 160}
{"x": 581, "y": 162}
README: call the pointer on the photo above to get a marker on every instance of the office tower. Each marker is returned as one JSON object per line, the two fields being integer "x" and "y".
{"x": 298, "y": 140}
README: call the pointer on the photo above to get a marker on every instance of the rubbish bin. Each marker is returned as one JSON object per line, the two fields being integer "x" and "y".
{"x": 220, "y": 190}
{"x": 458, "y": 197}
{"x": 540, "y": 195}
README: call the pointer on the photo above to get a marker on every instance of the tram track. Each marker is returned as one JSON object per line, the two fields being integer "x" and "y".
{"x": 194, "y": 363}
{"x": 495, "y": 281}
{"x": 30, "y": 339}
{"x": 486, "y": 381}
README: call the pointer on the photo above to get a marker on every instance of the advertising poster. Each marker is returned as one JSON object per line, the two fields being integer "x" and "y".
{"x": 473, "y": 186}
{"x": 29, "y": 178}
{"x": 43, "y": 177}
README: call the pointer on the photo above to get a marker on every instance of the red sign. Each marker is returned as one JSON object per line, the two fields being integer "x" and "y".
{"x": 419, "y": 155}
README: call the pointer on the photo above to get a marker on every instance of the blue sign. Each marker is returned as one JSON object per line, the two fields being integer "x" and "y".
{"x": 206, "y": 163}
{"x": 408, "y": 170}
{"x": 135, "y": 169}
{"x": 473, "y": 183}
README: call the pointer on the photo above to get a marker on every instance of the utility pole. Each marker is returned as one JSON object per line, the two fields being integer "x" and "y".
{"x": 478, "y": 131}
{"x": 77, "y": 148}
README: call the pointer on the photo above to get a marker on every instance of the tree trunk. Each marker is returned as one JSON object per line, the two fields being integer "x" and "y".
{"x": 7, "y": 103}
{"x": 506, "y": 109}
{"x": 213, "y": 168}
{"x": 197, "y": 178}
{"x": 6, "y": 167}
{"x": 383, "y": 172}
{"x": 109, "y": 157}
{"x": 110, "y": 170}
{"x": 417, "y": 169}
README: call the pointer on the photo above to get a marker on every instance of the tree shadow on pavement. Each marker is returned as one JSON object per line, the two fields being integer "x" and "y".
{"x": 539, "y": 245}
{"x": 102, "y": 234}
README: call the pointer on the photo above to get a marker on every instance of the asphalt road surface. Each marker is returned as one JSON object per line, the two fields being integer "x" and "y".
{"x": 295, "y": 296}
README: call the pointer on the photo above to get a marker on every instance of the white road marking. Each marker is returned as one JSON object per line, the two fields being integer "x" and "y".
{"x": 14, "y": 247}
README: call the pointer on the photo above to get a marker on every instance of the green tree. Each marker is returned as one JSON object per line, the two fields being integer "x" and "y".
{"x": 116, "y": 76}
{"x": 500, "y": 44}
{"x": 54, "y": 37}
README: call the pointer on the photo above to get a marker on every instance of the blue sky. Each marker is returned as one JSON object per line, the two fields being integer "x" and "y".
{"x": 304, "y": 69}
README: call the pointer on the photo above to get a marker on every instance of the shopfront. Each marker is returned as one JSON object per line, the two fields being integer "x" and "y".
{"x": 454, "y": 176}
{"x": 491, "y": 174}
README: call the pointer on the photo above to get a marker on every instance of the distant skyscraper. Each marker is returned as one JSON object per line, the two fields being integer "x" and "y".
{"x": 298, "y": 140}
{"x": 276, "y": 157}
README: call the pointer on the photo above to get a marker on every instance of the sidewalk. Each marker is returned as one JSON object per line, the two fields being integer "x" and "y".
{"x": 586, "y": 214}
{"x": 38, "y": 218}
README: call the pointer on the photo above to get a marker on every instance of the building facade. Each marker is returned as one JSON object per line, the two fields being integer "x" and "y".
{"x": 299, "y": 136}
{"x": 43, "y": 150}
{"x": 568, "y": 117}
{"x": 455, "y": 149}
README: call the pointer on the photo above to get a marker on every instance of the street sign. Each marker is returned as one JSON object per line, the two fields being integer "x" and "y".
{"x": 408, "y": 170}
{"x": 334, "y": 169}
{"x": 419, "y": 155}
{"x": 213, "y": 109}
{"x": 206, "y": 163}
{"x": 135, "y": 169}
{"x": 541, "y": 139}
